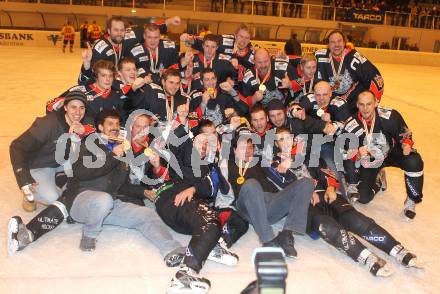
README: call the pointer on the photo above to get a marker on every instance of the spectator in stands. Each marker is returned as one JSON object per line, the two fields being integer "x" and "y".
{"x": 293, "y": 46}
{"x": 326, "y": 10}
{"x": 298, "y": 8}
{"x": 214, "y": 6}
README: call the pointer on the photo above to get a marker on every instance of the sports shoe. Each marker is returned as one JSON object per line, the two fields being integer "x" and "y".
{"x": 186, "y": 281}
{"x": 28, "y": 206}
{"x": 175, "y": 257}
{"x": 405, "y": 257}
{"x": 87, "y": 243}
{"x": 381, "y": 180}
{"x": 353, "y": 192}
{"x": 376, "y": 265}
{"x": 18, "y": 235}
{"x": 221, "y": 254}
{"x": 285, "y": 241}
{"x": 409, "y": 208}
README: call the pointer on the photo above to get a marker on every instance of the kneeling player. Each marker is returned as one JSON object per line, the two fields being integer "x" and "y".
{"x": 385, "y": 140}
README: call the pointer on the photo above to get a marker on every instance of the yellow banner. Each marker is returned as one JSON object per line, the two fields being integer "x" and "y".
{"x": 274, "y": 47}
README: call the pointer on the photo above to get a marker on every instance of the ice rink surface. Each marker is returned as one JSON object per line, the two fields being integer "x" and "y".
{"x": 124, "y": 262}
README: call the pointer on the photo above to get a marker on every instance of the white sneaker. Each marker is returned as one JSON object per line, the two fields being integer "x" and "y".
{"x": 221, "y": 254}
{"x": 186, "y": 282}
{"x": 18, "y": 235}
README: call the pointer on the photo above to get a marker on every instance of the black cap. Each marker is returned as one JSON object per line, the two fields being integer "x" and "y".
{"x": 275, "y": 104}
{"x": 75, "y": 95}
{"x": 179, "y": 100}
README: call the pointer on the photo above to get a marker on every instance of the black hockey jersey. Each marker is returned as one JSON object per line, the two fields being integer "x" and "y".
{"x": 249, "y": 85}
{"x": 220, "y": 64}
{"x": 357, "y": 74}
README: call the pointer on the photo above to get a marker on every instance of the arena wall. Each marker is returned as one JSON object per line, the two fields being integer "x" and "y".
{"x": 25, "y": 15}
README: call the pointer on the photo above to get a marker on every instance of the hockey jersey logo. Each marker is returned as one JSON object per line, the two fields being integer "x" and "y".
{"x": 100, "y": 46}
{"x": 271, "y": 95}
{"x": 345, "y": 82}
{"x": 338, "y": 102}
{"x": 137, "y": 50}
{"x": 224, "y": 57}
{"x": 228, "y": 40}
{"x": 169, "y": 44}
{"x": 214, "y": 115}
{"x": 247, "y": 76}
{"x": 311, "y": 98}
{"x": 129, "y": 34}
{"x": 281, "y": 65}
{"x": 351, "y": 125}
{"x": 384, "y": 112}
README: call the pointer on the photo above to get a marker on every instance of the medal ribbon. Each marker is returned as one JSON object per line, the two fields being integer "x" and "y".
{"x": 242, "y": 170}
{"x": 337, "y": 74}
{"x": 266, "y": 77}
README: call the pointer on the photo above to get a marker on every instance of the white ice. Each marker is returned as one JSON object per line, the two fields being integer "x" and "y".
{"x": 125, "y": 262}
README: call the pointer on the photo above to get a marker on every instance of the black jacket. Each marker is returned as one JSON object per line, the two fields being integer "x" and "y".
{"x": 111, "y": 175}
{"x": 36, "y": 147}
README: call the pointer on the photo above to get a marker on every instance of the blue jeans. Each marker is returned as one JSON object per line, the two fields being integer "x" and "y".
{"x": 46, "y": 191}
{"x": 95, "y": 209}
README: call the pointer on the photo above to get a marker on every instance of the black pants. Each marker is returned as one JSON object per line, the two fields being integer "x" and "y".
{"x": 337, "y": 223}
{"x": 193, "y": 218}
{"x": 411, "y": 164}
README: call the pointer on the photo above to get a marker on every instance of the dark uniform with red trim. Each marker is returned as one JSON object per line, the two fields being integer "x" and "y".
{"x": 249, "y": 85}
{"x": 299, "y": 84}
{"x": 152, "y": 97}
{"x": 357, "y": 74}
{"x": 389, "y": 132}
{"x": 226, "y": 46}
{"x": 152, "y": 63}
{"x": 97, "y": 100}
{"x": 214, "y": 110}
{"x": 103, "y": 49}
{"x": 337, "y": 108}
{"x": 220, "y": 64}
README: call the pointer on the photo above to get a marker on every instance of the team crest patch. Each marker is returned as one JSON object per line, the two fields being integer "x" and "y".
{"x": 379, "y": 81}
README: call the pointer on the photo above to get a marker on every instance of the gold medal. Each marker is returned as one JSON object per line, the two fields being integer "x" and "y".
{"x": 243, "y": 120}
{"x": 336, "y": 73}
{"x": 148, "y": 152}
{"x": 126, "y": 145}
{"x": 211, "y": 91}
{"x": 241, "y": 172}
{"x": 262, "y": 86}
